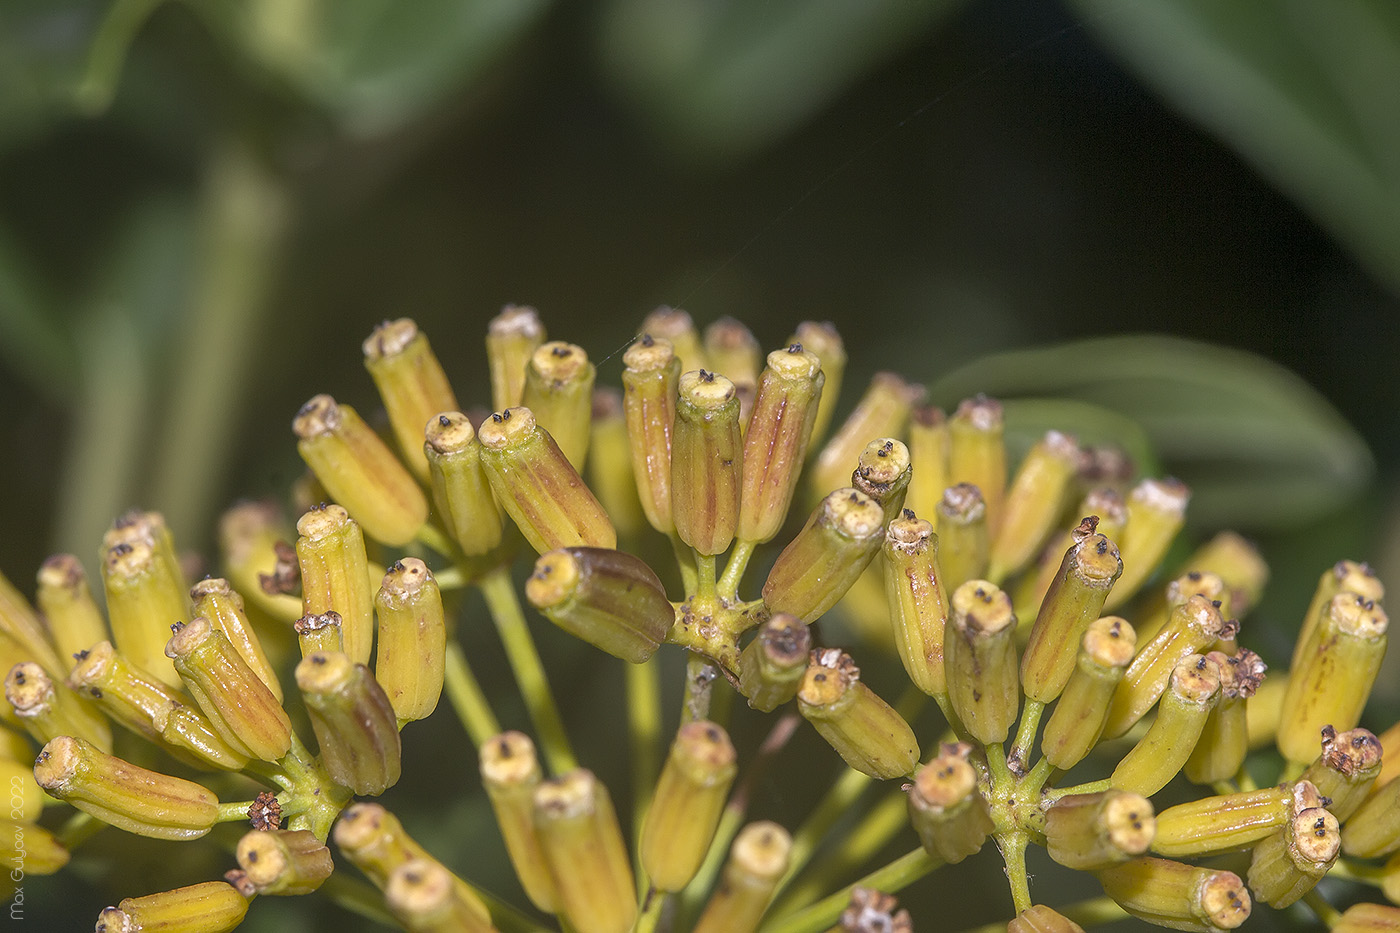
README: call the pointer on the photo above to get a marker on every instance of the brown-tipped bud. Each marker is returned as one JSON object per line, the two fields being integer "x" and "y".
{"x": 872, "y": 911}
{"x": 1176, "y": 895}
{"x": 143, "y": 601}
{"x": 789, "y": 396}
{"x": 537, "y": 485}
{"x": 979, "y": 658}
{"x": 1346, "y": 770}
{"x": 1192, "y": 691}
{"x": 686, "y": 808}
{"x": 1368, "y": 918}
{"x": 1290, "y": 863}
{"x": 1374, "y": 829}
{"x": 216, "y": 601}
{"x": 865, "y": 731}
{"x": 706, "y": 462}
{"x": 461, "y": 491}
{"x": 559, "y": 392}
{"x": 918, "y": 605}
{"x": 1237, "y": 562}
{"x": 239, "y": 706}
{"x": 1222, "y": 823}
{"x": 510, "y": 772}
{"x": 583, "y": 845}
{"x": 732, "y": 349}
{"x": 822, "y": 562}
{"x": 1089, "y": 832}
{"x": 119, "y": 793}
{"x": 252, "y": 535}
{"x": 412, "y": 650}
{"x": 650, "y": 381}
{"x": 1194, "y": 627}
{"x": 1156, "y": 511}
{"x": 1346, "y": 576}
{"x": 945, "y": 807}
{"x": 284, "y": 861}
{"x": 883, "y": 472}
{"x": 1191, "y": 583}
{"x": 610, "y": 462}
{"x": 427, "y": 898}
{"x": 359, "y": 471}
{"x": 1037, "y": 496}
{"x": 962, "y": 538}
{"x": 335, "y": 576}
{"x": 929, "y": 439}
{"x": 1333, "y": 679}
{"x": 772, "y": 666}
{"x": 511, "y": 339}
{"x": 977, "y": 452}
{"x": 75, "y": 622}
{"x": 48, "y": 709}
{"x": 610, "y": 599}
{"x": 321, "y": 631}
{"x": 822, "y": 340}
{"x": 1077, "y": 721}
{"x": 20, "y": 625}
{"x": 353, "y": 720}
{"x": 211, "y": 907}
{"x": 1041, "y": 919}
{"x": 411, "y": 384}
{"x": 1076, "y": 596}
{"x": 881, "y": 412}
{"x": 1224, "y": 742}
{"x": 189, "y": 736}
{"x": 127, "y": 694}
{"x": 677, "y": 328}
{"x": 758, "y": 860}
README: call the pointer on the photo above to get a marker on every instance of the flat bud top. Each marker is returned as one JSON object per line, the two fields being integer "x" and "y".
{"x": 135, "y": 525}
{"x": 449, "y": 432}
{"x": 516, "y": 320}
{"x": 93, "y": 664}
{"x": 667, "y": 322}
{"x": 568, "y": 795}
{"x": 947, "y": 780}
{"x": 761, "y": 850}
{"x": 361, "y": 825}
{"x": 1358, "y": 616}
{"x": 1306, "y": 797}
{"x": 213, "y": 586}
{"x": 1129, "y": 821}
{"x": 389, "y": 338}
{"x": 1350, "y": 752}
{"x": 404, "y": 581}
{"x": 1097, "y": 560}
{"x": 1062, "y": 447}
{"x": 785, "y": 639}
{"x": 794, "y": 362}
{"x": 1203, "y": 615}
{"x": 1168, "y": 495}
{"x": 60, "y": 761}
{"x": 820, "y": 337}
{"x": 28, "y": 688}
{"x": 559, "y": 362}
{"x": 509, "y": 759}
{"x": 315, "y": 621}
{"x": 706, "y": 391}
{"x": 62, "y": 572}
{"x": 852, "y": 514}
{"x": 1196, "y": 583}
{"x": 418, "y": 887}
{"x": 705, "y": 752}
{"x": 320, "y": 415}
{"x": 908, "y": 533}
{"x": 126, "y": 560}
{"x": 241, "y": 527}
{"x": 648, "y": 354}
{"x": 1358, "y": 577}
{"x": 1315, "y": 836}
{"x": 261, "y": 857}
{"x": 323, "y": 521}
{"x": 883, "y": 461}
{"x": 829, "y": 675}
{"x": 1107, "y": 503}
{"x": 982, "y": 608}
{"x": 1196, "y": 679}
{"x": 505, "y": 427}
{"x": 556, "y": 577}
{"x": 981, "y": 412}
{"x": 962, "y": 503}
{"x": 186, "y": 637}
{"x": 324, "y": 672}
{"x": 1110, "y": 642}
{"x": 1240, "y": 673}
{"x": 1223, "y": 899}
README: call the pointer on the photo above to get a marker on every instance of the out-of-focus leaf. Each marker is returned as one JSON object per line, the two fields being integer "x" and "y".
{"x": 1308, "y": 92}
{"x": 43, "y": 50}
{"x": 720, "y": 78}
{"x": 32, "y": 341}
{"x": 1258, "y": 446}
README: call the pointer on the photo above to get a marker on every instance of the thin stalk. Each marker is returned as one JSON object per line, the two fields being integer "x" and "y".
{"x": 1329, "y": 915}
{"x": 644, "y": 727}
{"x": 504, "y": 607}
{"x": 649, "y": 910}
{"x": 1036, "y": 777}
{"x": 1356, "y": 871}
{"x": 827, "y": 811}
{"x": 1245, "y": 780}
{"x": 1025, "y": 735}
{"x": 890, "y": 878}
{"x": 433, "y": 537}
{"x": 468, "y": 700}
{"x": 873, "y": 833}
{"x": 705, "y": 577}
{"x": 734, "y": 570}
{"x": 1013, "y": 853}
{"x": 235, "y": 812}
{"x": 1092, "y": 787}
{"x": 685, "y": 562}
{"x": 358, "y": 897}
{"x": 700, "y": 678}
{"x": 77, "y": 829}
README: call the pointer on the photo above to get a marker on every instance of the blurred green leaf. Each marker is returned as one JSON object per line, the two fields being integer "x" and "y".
{"x": 1259, "y": 447}
{"x": 31, "y": 339}
{"x": 43, "y": 51}
{"x": 1308, "y": 92}
{"x": 723, "y": 77}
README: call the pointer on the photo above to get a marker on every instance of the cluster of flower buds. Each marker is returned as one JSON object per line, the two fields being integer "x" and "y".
{"x": 998, "y": 590}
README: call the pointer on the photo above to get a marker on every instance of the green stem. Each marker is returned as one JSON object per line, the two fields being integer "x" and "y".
{"x": 1224, "y": 787}
{"x": 644, "y": 725}
{"x": 734, "y": 570}
{"x": 1025, "y": 735}
{"x": 504, "y": 607}
{"x": 467, "y": 698}
{"x": 705, "y": 577}
{"x": 827, "y": 811}
{"x": 1245, "y": 781}
{"x": 234, "y": 812}
{"x": 358, "y": 897}
{"x": 1328, "y": 914}
{"x": 685, "y": 562}
{"x": 1013, "y": 853}
{"x": 893, "y": 877}
{"x": 1356, "y": 871}
{"x": 77, "y": 829}
{"x": 450, "y": 578}
{"x": 433, "y": 537}
{"x": 1036, "y": 777}
{"x": 700, "y": 676}
{"x": 649, "y": 910}
{"x": 873, "y": 833}
{"x": 1092, "y": 787}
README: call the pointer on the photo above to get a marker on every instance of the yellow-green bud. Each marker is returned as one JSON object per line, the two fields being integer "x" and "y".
{"x": 284, "y": 861}
{"x": 945, "y": 807}
{"x": 143, "y": 601}
{"x": 650, "y": 381}
{"x": 678, "y": 328}
{"x": 977, "y": 453}
{"x": 354, "y": 722}
{"x": 191, "y": 737}
{"x": 1078, "y": 718}
{"x": 758, "y": 860}
{"x": 511, "y": 339}
{"x": 882, "y": 411}
{"x": 48, "y": 709}
{"x": 732, "y": 349}
{"x": 1346, "y": 769}
{"x": 979, "y": 659}
{"x": 1224, "y": 742}
{"x": 686, "y": 807}
{"x": 1156, "y": 511}
{"x": 706, "y": 462}
{"x": 1346, "y": 576}
{"x": 775, "y": 445}
{"x": 211, "y": 907}
{"x": 1033, "y": 504}
{"x": 335, "y": 576}
{"x": 1369, "y": 918}
{"x": 1089, "y": 832}
{"x": 962, "y": 537}
{"x": 1176, "y": 895}
{"x": 411, "y": 654}
{"x": 75, "y": 622}
{"x": 610, "y": 599}
{"x": 411, "y": 384}
{"x": 1221, "y": 823}
{"x": 865, "y": 731}
{"x": 928, "y": 452}
{"x": 126, "y": 693}
{"x": 510, "y": 772}
{"x": 771, "y": 667}
{"x": 822, "y": 562}
{"x": 1292, "y": 861}
{"x": 251, "y": 538}
{"x": 918, "y": 605}
{"x": 425, "y": 897}
{"x": 461, "y": 491}
{"x": 214, "y": 599}
{"x": 320, "y": 632}
{"x": 583, "y": 845}
{"x": 882, "y": 473}
{"x": 1193, "y": 690}
{"x": 559, "y": 392}
{"x": 610, "y": 463}
{"x": 1374, "y": 829}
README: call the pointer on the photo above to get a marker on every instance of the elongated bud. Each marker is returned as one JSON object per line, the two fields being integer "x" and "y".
{"x": 411, "y": 384}
{"x": 945, "y": 807}
{"x": 962, "y": 539}
{"x": 686, "y": 808}
{"x": 48, "y": 709}
{"x": 359, "y": 471}
{"x": 677, "y": 328}
{"x": 1192, "y": 583}
{"x": 216, "y": 601}
{"x": 211, "y": 907}
{"x": 650, "y": 381}
{"x": 1037, "y": 496}
{"x": 511, "y": 339}
{"x": 1041, "y": 919}
{"x": 127, "y": 694}
{"x": 559, "y": 392}
{"x": 610, "y": 599}
{"x": 412, "y": 650}
{"x": 1223, "y": 822}
{"x": 1368, "y": 918}
{"x": 979, "y": 656}
{"x": 1374, "y": 829}
{"x": 772, "y": 666}
{"x": 1333, "y": 680}
{"x": 1291, "y": 862}
{"x": 1156, "y": 511}
{"x": 143, "y": 601}
{"x": 732, "y": 349}
{"x": 758, "y": 859}
{"x": 1193, "y": 690}
{"x": 1089, "y": 832}
{"x": 1346, "y": 576}
{"x": 284, "y": 861}
{"x": 1176, "y": 895}
{"x": 865, "y": 731}
{"x": 21, "y": 625}
{"x": 1220, "y": 752}
{"x": 322, "y": 631}
{"x": 977, "y": 452}
{"x": 537, "y": 485}
{"x": 706, "y": 462}
{"x": 126, "y": 796}
{"x": 189, "y": 736}
{"x": 881, "y": 412}
{"x": 353, "y": 720}
{"x": 1237, "y": 562}
{"x": 1076, "y": 597}
{"x": 1078, "y": 718}
{"x": 819, "y": 565}
{"x": 789, "y": 396}
{"x": 461, "y": 491}
{"x": 610, "y": 463}
{"x": 1102, "y": 503}
{"x": 75, "y": 622}
{"x": 583, "y": 845}
{"x": 882, "y": 473}
{"x": 918, "y": 605}
{"x": 424, "y": 897}
{"x": 510, "y": 772}
{"x": 1346, "y": 770}
{"x": 335, "y": 575}
{"x": 251, "y": 538}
